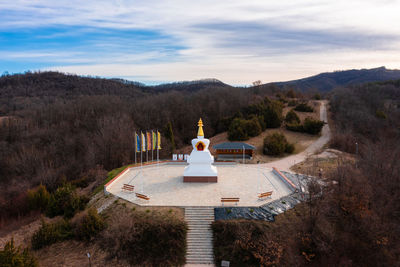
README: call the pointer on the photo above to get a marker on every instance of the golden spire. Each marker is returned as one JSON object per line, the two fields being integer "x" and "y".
{"x": 200, "y": 132}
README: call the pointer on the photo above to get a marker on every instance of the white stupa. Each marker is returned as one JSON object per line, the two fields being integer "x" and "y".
{"x": 200, "y": 168}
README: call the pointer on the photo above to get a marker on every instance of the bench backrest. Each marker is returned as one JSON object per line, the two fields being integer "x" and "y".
{"x": 229, "y": 199}
{"x": 266, "y": 194}
{"x": 142, "y": 196}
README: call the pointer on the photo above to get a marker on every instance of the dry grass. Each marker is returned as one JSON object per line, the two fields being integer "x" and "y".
{"x": 303, "y": 115}
{"x": 327, "y": 162}
{"x": 122, "y": 205}
{"x": 73, "y": 253}
{"x": 300, "y": 140}
{"x": 22, "y": 230}
{"x": 231, "y": 243}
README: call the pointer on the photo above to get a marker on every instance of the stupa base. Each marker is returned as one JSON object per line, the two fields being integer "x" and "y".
{"x": 200, "y": 179}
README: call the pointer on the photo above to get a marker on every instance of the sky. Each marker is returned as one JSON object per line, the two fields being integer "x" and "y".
{"x": 235, "y": 41}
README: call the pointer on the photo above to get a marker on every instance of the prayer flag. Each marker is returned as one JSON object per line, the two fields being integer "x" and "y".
{"x": 137, "y": 142}
{"x": 148, "y": 141}
{"x": 159, "y": 140}
{"x": 143, "y": 143}
{"x": 154, "y": 140}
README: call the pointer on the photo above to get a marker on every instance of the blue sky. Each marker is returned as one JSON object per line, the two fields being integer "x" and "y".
{"x": 235, "y": 41}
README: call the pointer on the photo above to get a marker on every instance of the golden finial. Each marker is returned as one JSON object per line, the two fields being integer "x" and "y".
{"x": 200, "y": 132}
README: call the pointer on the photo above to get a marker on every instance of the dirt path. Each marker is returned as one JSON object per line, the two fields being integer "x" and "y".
{"x": 287, "y": 162}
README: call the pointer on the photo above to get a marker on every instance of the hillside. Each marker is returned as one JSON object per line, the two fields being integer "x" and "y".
{"x": 49, "y": 84}
{"x": 327, "y": 81}
{"x": 191, "y": 86}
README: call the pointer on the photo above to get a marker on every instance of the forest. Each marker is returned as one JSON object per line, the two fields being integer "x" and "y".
{"x": 356, "y": 220}
{"x": 352, "y": 219}
{"x": 59, "y": 128}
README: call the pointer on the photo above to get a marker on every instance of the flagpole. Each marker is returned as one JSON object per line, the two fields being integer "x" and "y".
{"x": 135, "y": 146}
{"x": 141, "y": 159}
{"x": 152, "y": 147}
{"x": 158, "y": 148}
{"x": 147, "y": 150}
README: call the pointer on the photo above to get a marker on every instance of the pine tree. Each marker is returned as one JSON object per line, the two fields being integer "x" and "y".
{"x": 169, "y": 134}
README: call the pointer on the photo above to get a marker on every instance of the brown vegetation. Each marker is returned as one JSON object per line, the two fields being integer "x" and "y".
{"x": 61, "y": 127}
{"x": 245, "y": 243}
{"x": 353, "y": 219}
{"x": 146, "y": 237}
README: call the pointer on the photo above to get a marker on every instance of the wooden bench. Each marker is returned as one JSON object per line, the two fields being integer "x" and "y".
{"x": 266, "y": 194}
{"x": 142, "y": 196}
{"x": 229, "y": 199}
{"x": 128, "y": 187}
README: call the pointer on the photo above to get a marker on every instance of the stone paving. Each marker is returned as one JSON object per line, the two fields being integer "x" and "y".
{"x": 268, "y": 211}
{"x": 164, "y": 185}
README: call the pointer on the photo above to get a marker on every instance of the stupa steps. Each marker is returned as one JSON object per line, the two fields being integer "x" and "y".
{"x": 193, "y": 223}
{"x": 200, "y": 217}
{"x": 200, "y": 253}
{"x": 196, "y": 243}
{"x": 199, "y": 237}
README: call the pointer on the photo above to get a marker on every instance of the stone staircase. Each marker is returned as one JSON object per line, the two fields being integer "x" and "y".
{"x": 199, "y": 237}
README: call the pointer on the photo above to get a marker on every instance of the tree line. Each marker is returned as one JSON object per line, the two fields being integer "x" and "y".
{"x": 61, "y": 127}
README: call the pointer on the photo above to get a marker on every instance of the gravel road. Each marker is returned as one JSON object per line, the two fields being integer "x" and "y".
{"x": 287, "y": 162}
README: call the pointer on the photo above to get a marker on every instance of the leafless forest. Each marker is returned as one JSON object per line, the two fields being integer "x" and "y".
{"x": 58, "y": 128}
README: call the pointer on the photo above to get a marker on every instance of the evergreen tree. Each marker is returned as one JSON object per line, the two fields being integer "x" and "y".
{"x": 291, "y": 117}
{"x": 169, "y": 134}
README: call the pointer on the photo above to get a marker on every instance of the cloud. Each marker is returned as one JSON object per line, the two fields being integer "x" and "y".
{"x": 269, "y": 39}
{"x": 238, "y": 42}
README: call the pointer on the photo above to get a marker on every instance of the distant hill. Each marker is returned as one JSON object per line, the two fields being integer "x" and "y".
{"x": 55, "y": 84}
{"x": 191, "y": 85}
{"x": 330, "y": 80}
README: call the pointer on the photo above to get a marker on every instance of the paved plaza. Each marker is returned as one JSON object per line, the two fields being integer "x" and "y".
{"x": 164, "y": 185}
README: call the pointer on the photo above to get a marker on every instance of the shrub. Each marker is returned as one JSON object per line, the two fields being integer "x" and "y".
{"x": 312, "y": 126}
{"x": 38, "y": 198}
{"x": 252, "y": 127}
{"x": 344, "y": 142}
{"x": 261, "y": 121}
{"x": 237, "y": 131}
{"x": 81, "y": 182}
{"x": 246, "y": 243}
{"x": 291, "y": 93}
{"x": 65, "y": 201}
{"x": 13, "y": 257}
{"x": 317, "y": 96}
{"x": 89, "y": 225}
{"x": 50, "y": 233}
{"x": 303, "y": 107}
{"x": 292, "y": 103}
{"x": 146, "y": 240}
{"x": 295, "y": 127}
{"x": 291, "y": 117}
{"x": 273, "y": 113}
{"x": 309, "y": 126}
{"x": 289, "y": 148}
{"x": 380, "y": 114}
{"x": 241, "y": 129}
{"x": 276, "y": 144}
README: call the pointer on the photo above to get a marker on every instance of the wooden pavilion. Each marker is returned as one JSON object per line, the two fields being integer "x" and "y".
{"x": 234, "y": 150}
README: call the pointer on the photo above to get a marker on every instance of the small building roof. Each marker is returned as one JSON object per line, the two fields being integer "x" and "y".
{"x": 233, "y": 145}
